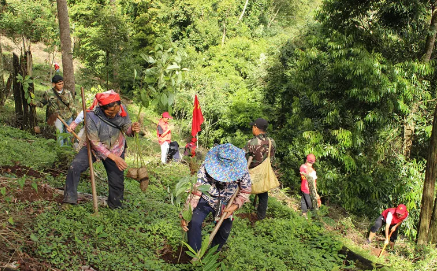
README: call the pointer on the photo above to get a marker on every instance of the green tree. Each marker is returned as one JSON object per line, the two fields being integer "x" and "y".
{"x": 346, "y": 91}
{"x": 102, "y": 35}
{"x": 163, "y": 77}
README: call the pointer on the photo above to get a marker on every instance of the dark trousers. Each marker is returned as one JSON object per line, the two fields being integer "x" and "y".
{"x": 378, "y": 225}
{"x": 262, "y": 205}
{"x": 80, "y": 164}
{"x": 305, "y": 202}
{"x": 195, "y": 227}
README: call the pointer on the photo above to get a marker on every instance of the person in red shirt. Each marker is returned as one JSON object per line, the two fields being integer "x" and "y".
{"x": 164, "y": 135}
{"x": 307, "y": 168}
{"x": 393, "y": 217}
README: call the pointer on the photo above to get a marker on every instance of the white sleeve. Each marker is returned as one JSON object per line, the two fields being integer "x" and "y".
{"x": 313, "y": 174}
{"x": 79, "y": 118}
{"x": 389, "y": 218}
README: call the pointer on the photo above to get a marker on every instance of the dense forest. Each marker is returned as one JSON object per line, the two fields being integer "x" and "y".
{"x": 352, "y": 81}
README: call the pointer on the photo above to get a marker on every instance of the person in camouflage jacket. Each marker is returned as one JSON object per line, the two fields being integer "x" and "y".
{"x": 58, "y": 101}
{"x": 257, "y": 148}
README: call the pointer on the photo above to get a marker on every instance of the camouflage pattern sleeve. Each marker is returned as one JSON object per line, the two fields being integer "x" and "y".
{"x": 72, "y": 104}
{"x": 245, "y": 189}
{"x": 273, "y": 150}
{"x": 43, "y": 101}
{"x": 249, "y": 148}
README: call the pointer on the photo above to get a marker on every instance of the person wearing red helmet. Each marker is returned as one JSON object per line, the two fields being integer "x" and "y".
{"x": 393, "y": 217}
{"x": 164, "y": 135}
{"x": 307, "y": 169}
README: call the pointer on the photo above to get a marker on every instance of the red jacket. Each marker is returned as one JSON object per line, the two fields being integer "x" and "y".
{"x": 304, "y": 185}
{"x": 165, "y": 127}
{"x": 395, "y": 219}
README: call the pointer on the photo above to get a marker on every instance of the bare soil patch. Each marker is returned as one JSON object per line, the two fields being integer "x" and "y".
{"x": 20, "y": 171}
{"x": 170, "y": 256}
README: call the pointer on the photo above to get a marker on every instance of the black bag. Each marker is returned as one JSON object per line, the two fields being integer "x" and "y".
{"x": 173, "y": 151}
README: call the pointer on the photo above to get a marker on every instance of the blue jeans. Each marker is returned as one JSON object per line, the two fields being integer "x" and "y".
{"x": 62, "y": 129}
{"x": 195, "y": 227}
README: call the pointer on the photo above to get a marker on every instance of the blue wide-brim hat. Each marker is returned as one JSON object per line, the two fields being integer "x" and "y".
{"x": 226, "y": 163}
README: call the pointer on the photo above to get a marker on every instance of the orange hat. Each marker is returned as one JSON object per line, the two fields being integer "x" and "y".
{"x": 311, "y": 158}
{"x": 401, "y": 209}
{"x": 166, "y": 115}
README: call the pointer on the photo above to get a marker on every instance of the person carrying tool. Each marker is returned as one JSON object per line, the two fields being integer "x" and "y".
{"x": 59, "y": 102}
{"x": 393, "y": 217}
{"x": 258, "y": 148}
{"x": 106, "y": 123}
{"x": 307, "y": 169}
{"x": 164, "y": 135}
{"x": 225, "y": 170}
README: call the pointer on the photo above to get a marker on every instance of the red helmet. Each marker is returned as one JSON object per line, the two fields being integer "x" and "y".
{"x": 401, "y": 209}
{"x": 311, "y": 158}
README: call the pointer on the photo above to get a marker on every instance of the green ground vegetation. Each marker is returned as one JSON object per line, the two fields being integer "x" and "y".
{"x": 347, "y": 80}
{"x": 146, "y": 235}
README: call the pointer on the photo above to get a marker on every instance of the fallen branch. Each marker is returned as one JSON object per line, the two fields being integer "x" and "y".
{"x": 85, "y": 197}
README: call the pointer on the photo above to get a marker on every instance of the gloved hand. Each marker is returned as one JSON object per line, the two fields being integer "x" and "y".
{"x": 386, "y": 241}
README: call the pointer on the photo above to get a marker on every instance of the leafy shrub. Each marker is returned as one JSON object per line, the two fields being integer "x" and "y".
{"x": 26, "y": 149}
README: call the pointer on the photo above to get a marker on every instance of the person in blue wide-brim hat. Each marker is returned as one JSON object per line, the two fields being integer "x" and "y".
{"x": 225, "y": 170}
{"x": 226, "y": 163}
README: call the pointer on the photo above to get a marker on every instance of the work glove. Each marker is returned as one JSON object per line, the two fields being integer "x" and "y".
{"x": 386, "y": 241}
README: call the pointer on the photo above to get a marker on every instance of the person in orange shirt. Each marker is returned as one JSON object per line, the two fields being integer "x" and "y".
{"x": 164, "y": 135}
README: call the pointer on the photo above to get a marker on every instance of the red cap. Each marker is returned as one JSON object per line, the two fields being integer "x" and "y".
{"x": 311, "y": 158}
{"x": 166, "y": 115}
{"x": 401, "y": 209}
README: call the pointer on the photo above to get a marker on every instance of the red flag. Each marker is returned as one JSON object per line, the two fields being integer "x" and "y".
{"x": 197, "y": 118}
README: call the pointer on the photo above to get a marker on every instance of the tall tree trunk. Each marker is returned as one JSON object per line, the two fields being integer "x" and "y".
{"x": 67, "y": 55}
{"x": 432, "y": 233}
{"x": 273, "y": 17}
{"x": 2, "y": 68}
{"x": 430, "y": 39}
{"x": 17, "y": 91}
{"x": 107, "y": 70}
{"x": 244, "y": 10}
{"x": 29, "y": 120}
{"x": 4, "y": 94}
{"x": 428, "y": 186}
{"x": 430, "y": 174}
{"x": 224, "y": 33}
